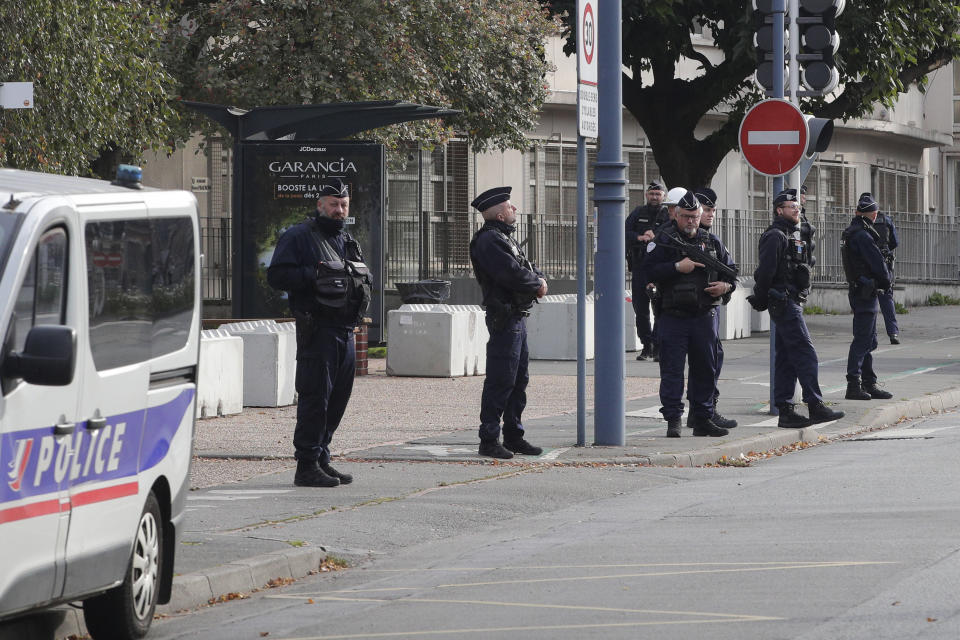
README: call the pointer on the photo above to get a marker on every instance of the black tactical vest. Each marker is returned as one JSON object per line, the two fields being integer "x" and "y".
{"x": 685, "y": 295}
{"x": 342, "y": 290}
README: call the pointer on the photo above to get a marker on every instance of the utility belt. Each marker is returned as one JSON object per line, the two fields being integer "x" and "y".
{"x": 864, "y": 289}
{"x": 499, "y": 313}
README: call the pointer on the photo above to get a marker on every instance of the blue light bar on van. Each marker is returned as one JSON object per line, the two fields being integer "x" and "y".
{"x": 129, "y": 175}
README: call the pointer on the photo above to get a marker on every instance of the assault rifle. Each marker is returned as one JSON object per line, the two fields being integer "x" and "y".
{"x": 696, "y": 254}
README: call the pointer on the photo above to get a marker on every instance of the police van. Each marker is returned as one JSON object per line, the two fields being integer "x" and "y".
{"x": 100, "y": 322}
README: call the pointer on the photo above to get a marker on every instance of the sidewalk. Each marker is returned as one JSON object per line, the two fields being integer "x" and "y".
{"x": 395, "y": 425}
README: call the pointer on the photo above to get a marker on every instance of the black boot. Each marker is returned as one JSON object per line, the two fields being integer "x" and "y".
{"x": 521, "y": 446}
{"x": 721, "y": 421}
{"x": 875, "y": 392}
{"x": 309, "y": 474}
{"x": 790, "y": 419}
{"x": 819, "y": 412}
{"x": 673, "y": 427}
{"x": 895, "y": 338}
{"x": 707, "y": 427}
{"x": 646, "y": 352}
{"x": 493, "y": 449}
{"x": 344, "y": 478}
{"x": 854, "y": 390}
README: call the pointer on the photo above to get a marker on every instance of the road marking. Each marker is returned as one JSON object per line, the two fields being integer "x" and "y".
{"x": 221, "y": 498}
{"x": 243, "y": 492}
{"x": 773, "y": 137}
{"x": 772, "y": 422}
{"x": 228, "y": 495}
{"x": 439, "y": 450}
{"x": 553, "y": 455}
{"x": 650, "y": 412}
{"x": 905, "y": 432}
{"x": 619, "y": 576}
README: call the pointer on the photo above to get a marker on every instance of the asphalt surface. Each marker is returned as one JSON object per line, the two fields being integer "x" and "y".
{"x": 248, "y": 525}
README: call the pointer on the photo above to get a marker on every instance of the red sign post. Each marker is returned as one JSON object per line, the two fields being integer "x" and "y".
{"x": 773, "y": 137}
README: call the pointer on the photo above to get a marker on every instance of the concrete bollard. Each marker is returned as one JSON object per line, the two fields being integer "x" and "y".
{"x": 219, "y": 374}
{"x": 269, "y": 361}
{"x": 435, "y": 340}
{"x": 552, "y": 328}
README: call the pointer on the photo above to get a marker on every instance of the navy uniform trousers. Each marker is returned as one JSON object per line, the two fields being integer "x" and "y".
{"x": 641, "y": 305}
{"x": 505, "y": 386}
{"x": 796, "y": 359}
{"x": 859, "y": 358}
{"x": 889, "y": 310}
{"x": 690, "y": 339}
{"x": 324, "y": 380}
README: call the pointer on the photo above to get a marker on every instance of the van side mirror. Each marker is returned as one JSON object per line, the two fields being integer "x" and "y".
{"x": 48, "y": 358}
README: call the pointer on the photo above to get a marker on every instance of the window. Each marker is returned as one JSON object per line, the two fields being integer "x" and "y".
{"x": 897, "y": 191}
{"x": 42, "y": 296}
{"x": 830, "y": 188}
{"x": 956, "y": 95}
{"x": 140, "y": 278}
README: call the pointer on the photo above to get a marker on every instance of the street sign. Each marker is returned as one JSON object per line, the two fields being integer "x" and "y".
{"x": 588, "y": 103}
{"x": 773, "y": 137}
{"x": 16, "y": 95}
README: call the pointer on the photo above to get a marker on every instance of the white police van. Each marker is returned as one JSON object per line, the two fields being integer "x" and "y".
{"x": 100, "y": 328}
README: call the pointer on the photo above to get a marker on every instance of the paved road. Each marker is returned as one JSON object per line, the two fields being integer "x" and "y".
{"x": 856, "y": 539}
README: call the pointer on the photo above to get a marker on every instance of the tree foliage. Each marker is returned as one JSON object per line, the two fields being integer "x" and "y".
{"x": 100, "y": 86}
{"x": 484, "y": 57}
{"x": 885, "y": 46}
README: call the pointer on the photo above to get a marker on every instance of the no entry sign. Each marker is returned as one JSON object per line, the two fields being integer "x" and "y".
{"x": 773, "y": 137}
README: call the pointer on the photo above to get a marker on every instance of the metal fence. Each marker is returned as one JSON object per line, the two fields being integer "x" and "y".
{"x": 217, "y": 271}
{"x": 436, "y": 244}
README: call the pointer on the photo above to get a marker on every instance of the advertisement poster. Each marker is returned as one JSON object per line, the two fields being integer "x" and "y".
{"x": 279, "y": 188}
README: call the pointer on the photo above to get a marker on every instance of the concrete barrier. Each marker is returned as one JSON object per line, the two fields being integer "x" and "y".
{"x": 220, "y": 374}
{"x": 269, "y": 361}
{"x": 436, "y": 340}
{"x": 735, "y": 318}
{"x": 552, "y": 328}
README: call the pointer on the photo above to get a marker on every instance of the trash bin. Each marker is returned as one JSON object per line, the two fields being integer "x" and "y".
{"x": 424, "y": 291}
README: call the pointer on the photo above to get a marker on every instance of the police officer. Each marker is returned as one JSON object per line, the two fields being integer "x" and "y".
{"x": 867, "y": 274}
{"x": 708, "y": 205}
{"x": 673, "y": 197}
{"x": 690, "y": 291}
{"x": 510, "y": 285}
{"x": 782, "y": 284}
{"x": 321, "y": 267}
{"x": 640, "y": 227}
{"x": 889, "y": 241}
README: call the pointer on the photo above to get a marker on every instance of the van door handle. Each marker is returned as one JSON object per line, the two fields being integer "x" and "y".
{"x": 95, "y": 424}
{"x": 63, "y": 428}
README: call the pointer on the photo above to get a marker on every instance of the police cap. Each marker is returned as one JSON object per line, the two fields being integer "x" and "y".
{"x": 335, "y": 187}
{"x": 706, "y": 196}
{"x": 491, "y": 197}
{"x": 656, "y": 185}
{"x": 787, "y": 195}
{"x": 689, "y": 202}
{"x": 867, "y": 204}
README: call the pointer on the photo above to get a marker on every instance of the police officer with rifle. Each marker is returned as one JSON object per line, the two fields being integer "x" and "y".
{"x": 321, "y": 268}
{"x": 693, "y": 272}
{"x": 641, "y": 225}
{"x": 889, "y": 241}
{"x": 867, "y": 276}
{"x": 708, "y": 204}
{"x": 510, "y": 284}
{"x": 782, "y": 285}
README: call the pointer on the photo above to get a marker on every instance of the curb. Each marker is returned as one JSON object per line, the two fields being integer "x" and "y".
{"x": 189, "y": 591}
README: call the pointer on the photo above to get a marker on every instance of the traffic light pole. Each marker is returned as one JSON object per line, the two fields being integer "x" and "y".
{"x": 777, "y": 16}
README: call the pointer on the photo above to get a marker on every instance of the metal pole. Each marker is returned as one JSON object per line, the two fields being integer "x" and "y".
{"x": 581, "y": 291}
{"x": 609, "y": 194}
{"x": 778, "y": 9}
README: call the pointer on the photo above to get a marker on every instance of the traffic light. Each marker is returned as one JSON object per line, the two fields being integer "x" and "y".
{"x": 820, "y": 132}
{"x": 819, "y": 42}
{"x": 763, "y": 41}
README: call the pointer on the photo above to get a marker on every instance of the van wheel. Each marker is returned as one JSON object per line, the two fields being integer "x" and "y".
{"x": 125, "y": 612}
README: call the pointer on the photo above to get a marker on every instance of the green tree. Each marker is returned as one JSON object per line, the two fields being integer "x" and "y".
{"x": 101, "y": 92}
{"x": 885, "y": 46}
{"x": 484, "y": 57}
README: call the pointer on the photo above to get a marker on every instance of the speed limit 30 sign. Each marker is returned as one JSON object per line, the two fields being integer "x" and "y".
{"x": 587, "y": 92}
